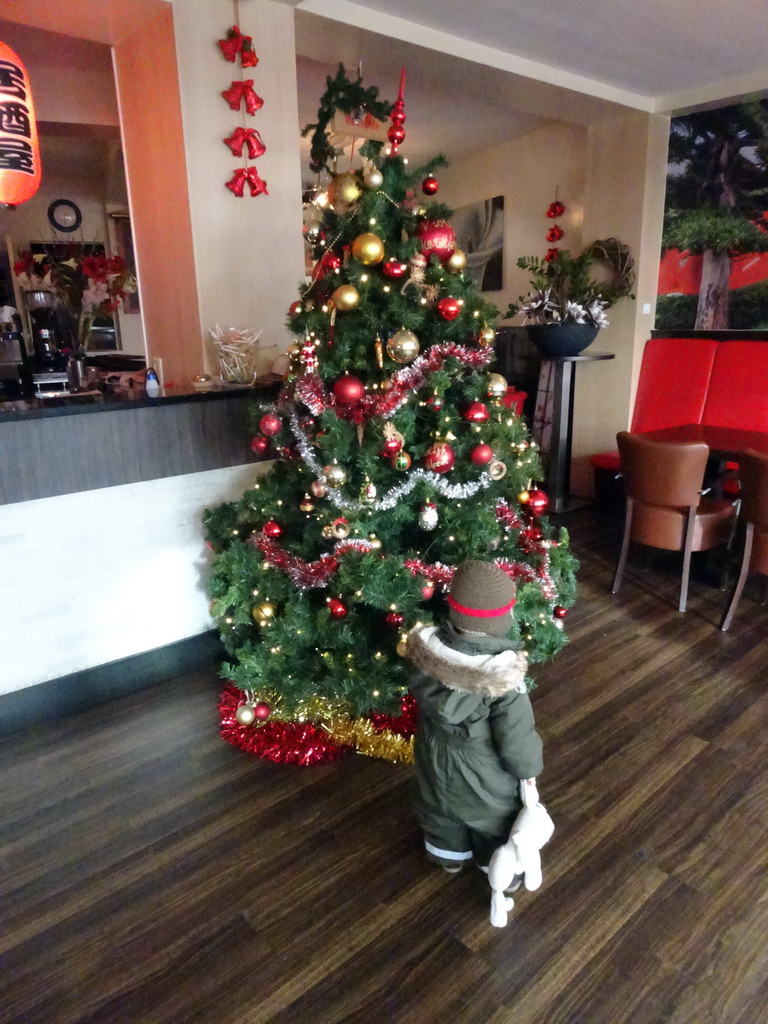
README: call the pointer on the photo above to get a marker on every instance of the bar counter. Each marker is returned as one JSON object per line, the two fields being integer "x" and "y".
{"x": 53, "y": 446}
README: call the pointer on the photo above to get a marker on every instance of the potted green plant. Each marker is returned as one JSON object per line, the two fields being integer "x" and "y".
{"x": 566, "y": 306}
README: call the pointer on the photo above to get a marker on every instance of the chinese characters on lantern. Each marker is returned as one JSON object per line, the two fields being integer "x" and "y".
{"x": 19, "y": 149}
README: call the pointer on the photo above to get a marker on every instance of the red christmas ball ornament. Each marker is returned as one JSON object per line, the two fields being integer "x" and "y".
{"x": 396, "y": 134}
{"x": 294, "y": 308}
{"x": 537, "y": 502}
{"x": 439, "y": 458}
{"x": 394, "y": 269}
{"x": 270, "y": 424}
{"x": 481, "y": 455}
{"x": 391, "y": 446}
{"x": 259, "y": 445}
{"x": 435, "y": 402}
{"x": 556, "y": 209}
{"x": 476, "y": 412}
{"x": 394, "y": 620}
{"x": 448, "y": 308}
{"x": 271, "y": 529}
{"x": 337, "y": 608}
{"x": 437, "y": 238}
{"x": 428, "y": 589}
{"x": 559, "y": 612}
{"x": 262, "y": 711}
{"x": 349, "y": 390}
{"x": 327, "y": 263}
{"x": 430, "y": 185}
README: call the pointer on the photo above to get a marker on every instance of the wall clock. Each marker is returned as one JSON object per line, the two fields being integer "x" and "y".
{"x": 64, "y": 215}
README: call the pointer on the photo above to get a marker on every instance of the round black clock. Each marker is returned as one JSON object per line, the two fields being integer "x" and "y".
{"x": 64, "y": 215}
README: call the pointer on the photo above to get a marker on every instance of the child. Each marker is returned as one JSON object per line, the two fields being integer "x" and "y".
{"x": 476, "y": 738}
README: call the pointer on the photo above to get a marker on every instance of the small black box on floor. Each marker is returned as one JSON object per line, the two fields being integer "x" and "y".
{"x": 609, "y": 492}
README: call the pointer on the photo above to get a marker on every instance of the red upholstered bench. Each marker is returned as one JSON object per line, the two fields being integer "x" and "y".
{"x": 738, "y": 387}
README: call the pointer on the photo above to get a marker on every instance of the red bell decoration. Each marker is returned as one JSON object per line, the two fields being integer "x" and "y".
{"x": 476, "y": 412}
{"x": 481, "y": 455}
{"x": 537, "y": 502}
{"x": 394, "y": 620}
{"x": 247, "y": 176}
{"x": 430, "y": 185}
{"x": 555, "y": 233}
{"x": 551, "y": 254}
{"x": 262, "y": 711}
{"x": 259, "y": 445}
{"x": 428, "y": 589}
{"x": 240, "y": 92}
{"x": 337, "y": 608}
{"x": 437, "y": 238}
{"x": 230, "y": 47}
{"x": 439, "y": 458}
{"x": 448, "y": 308}
{"x": 349, "y": 390}
{"x": 394, "y": 268}
{"x": 555, "y": 210}
{"x": 559, "y": 612}
{"x": 270, "y": 424}
{"x": 20, "y": 168}
{"x": 272, "y": 529}
{"x": 248, "y": 138}
{"x": 248, "y": 58}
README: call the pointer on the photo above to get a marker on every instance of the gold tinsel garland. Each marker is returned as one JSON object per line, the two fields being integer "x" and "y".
{"x": 361, "y": 734}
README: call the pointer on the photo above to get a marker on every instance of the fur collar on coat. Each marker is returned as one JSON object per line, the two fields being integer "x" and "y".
{"x": 490, "y": 675}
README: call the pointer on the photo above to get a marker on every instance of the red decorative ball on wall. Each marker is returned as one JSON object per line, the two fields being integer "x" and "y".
{"x": 394, "y": 620}
{"x": 262, "y": 711}
{"x": 430, "y": 185}
{"x": 476, "y": 412}
{"x": 482, "y": 454}
{"x": 349, "y": 390}
{"x": 394, "y": 268}
{"x": 259, "y": 445}
{"x": 271, "y": 528}
{"x": 538, "y": 502}
{"x": 337, "y": 608}
{"x": 270, "y": 424}
{"x": 448, "y": 308}
{"x": 439, "y": 458}
{"x": 437, "y": 238}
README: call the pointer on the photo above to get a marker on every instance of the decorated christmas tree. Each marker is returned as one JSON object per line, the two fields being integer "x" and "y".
{"x": 399, "y": 453}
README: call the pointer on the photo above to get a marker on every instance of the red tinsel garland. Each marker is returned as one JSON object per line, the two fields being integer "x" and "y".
{"x": 307, "y": 575}
{"x": 311, "y": 390}
{"x": 404, "y": 724}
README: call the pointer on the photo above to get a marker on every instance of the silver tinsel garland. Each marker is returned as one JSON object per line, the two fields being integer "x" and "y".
{"x": 393, "y": 496}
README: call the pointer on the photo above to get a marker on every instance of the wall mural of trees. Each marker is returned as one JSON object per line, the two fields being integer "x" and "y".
{"x": 714, "y": 266}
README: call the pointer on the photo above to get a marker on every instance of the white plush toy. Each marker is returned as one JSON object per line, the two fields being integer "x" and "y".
{"x": 520, "y": 854}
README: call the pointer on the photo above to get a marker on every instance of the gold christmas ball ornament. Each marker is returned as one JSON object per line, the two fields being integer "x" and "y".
{"x": 487, "y": 337}
{"x": 264, "y": 613}
{"x": 457, "y": 260}
{"x": 373, "y": 178}
{"x": 327, "y": 532}
{"x": 496, "y": 469}
{"x": 343, "y": 191}
{"x": 368, "y": 248}
{"x": 340, "y": 529}
{"x": 497, "y": 385}
{"x": 318, "y": 488}
{"x": 346, "y": 297}
{"x": 403, "y": 346}
{"x": 402, "y": 646}
{"x": 334, "y": 475}
{"x": 245, "y": 714}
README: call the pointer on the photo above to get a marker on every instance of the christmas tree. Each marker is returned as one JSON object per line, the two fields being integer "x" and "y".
{"x": 399, "y": 453}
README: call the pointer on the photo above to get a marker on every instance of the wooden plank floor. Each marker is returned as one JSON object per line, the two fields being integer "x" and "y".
{"x": 152, "y": 874}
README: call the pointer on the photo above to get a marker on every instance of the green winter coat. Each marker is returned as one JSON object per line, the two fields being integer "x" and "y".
{"x": 476, "y": 737}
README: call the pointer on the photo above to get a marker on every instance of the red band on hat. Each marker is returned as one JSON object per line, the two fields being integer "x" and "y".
{"x": 480, "y": 613}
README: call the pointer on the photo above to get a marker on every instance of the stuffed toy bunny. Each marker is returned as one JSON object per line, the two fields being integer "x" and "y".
{"x": 520, "y": 854}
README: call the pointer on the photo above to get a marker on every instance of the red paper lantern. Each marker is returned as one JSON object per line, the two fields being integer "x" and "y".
{"x": 437, "y": 238}
{"x": 394, "y": 620}
{"x": 482, "y": 454}
{"x": 394, "y": 268}
{"x": 20, "y": 168}
{"x": 271, "y": 529}
{"x": 259, "y": 445}
{"x": 270, "y": 424}
{"x": 337, "y": 608}
{"x": 430, "y": 185}
{"x": 448, "y": 308}
{"x": 537, "y": 502}
{"x": 349, "y": 390}
{"x": 439, "y": 458}
{"x": 476, "y": 412}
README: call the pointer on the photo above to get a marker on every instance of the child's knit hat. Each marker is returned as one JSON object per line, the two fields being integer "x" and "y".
{"x": 481, "y": 598}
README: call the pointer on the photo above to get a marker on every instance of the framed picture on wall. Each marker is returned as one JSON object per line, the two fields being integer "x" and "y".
{"x": 479, "y": 229}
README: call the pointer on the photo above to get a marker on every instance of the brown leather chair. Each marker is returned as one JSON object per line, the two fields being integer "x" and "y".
{"x": 665, "y": 508}
{"x": 753, "y": 473}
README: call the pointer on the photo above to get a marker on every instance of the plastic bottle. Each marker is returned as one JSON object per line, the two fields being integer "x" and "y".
{"x": 152, "y": 384}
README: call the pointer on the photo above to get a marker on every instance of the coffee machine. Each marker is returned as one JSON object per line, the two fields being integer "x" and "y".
{"x": 15, "y": 368}
{"x": 48, "y": 362}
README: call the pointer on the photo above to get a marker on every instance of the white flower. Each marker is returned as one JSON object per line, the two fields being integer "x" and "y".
{"x": 597, "y": 312}
{"x": 575, "y": 312}
{"x": 94, "y": 295}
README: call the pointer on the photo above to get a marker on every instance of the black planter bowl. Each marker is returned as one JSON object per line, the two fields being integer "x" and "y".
{"x": 562, "y": 339}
